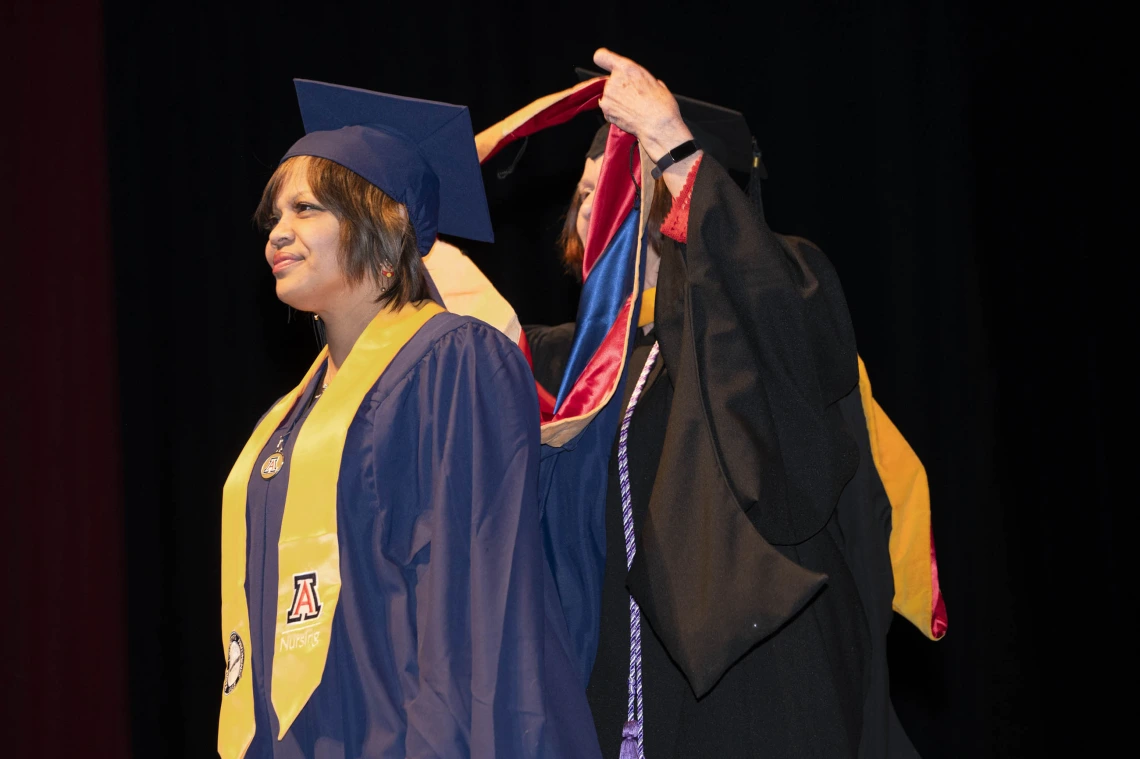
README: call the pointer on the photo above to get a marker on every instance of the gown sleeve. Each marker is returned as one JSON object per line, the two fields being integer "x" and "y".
{"x": 756, "y": 453}
{"x": 917, "y": 595}
{"x": 475, "y": 686}
{"x": 676, "y": 223}
{"x": 550, "y": 352}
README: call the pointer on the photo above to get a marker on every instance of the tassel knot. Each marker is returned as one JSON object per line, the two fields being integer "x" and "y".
{"x": 629, "y": 741}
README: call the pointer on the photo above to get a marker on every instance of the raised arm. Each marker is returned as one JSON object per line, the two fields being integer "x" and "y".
{"x": 636, "y": 102}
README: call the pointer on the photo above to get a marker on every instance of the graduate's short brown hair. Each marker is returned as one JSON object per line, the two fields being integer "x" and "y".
{"x": 375, "y": 231}
{"x": 573, "y": 247}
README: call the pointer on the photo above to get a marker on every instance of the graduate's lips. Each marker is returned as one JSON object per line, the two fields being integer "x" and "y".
{"x": 283, "y": 260}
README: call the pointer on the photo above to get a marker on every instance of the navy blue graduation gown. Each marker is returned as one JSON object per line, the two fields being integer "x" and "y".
{"x": 448, "y": 639}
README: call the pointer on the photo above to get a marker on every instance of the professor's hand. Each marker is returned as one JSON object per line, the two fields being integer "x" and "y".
{"x": 635, "y": 102}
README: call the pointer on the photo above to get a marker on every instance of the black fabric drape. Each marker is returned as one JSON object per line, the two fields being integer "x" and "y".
{"x": 66, "y": 657}
{"x": 943, "y": 154}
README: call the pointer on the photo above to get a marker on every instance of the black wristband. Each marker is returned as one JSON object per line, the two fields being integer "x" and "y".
{"x": 679, "y": 153}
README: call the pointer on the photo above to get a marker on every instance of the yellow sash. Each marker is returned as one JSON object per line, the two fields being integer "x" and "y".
{"x": 308, "y": 551}
{"x": 648, "y": 307}
{"x": 904, "y": 479}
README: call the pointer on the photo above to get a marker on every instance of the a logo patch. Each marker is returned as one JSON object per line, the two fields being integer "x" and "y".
{"x": 235, "y": 663}
{"x": 306, "y": 602}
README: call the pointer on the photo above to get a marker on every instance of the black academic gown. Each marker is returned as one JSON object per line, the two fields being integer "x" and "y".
{"x": 762, "y": 568}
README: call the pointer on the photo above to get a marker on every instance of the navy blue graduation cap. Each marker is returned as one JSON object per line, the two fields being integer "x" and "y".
{"x": 421, "y": 153}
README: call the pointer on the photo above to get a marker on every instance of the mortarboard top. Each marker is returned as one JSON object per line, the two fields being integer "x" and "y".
{"x": 721, "y": 131}
{"x": 419, "y": 152}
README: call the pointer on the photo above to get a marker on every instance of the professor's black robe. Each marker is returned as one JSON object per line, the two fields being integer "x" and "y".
{"x": 762, "y": 570}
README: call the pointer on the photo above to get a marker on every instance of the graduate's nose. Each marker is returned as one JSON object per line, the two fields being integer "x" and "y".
{"x": 281, "y": 235}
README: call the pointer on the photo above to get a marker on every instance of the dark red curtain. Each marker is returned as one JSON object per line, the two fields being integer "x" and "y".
{"x": 66, "y": 661}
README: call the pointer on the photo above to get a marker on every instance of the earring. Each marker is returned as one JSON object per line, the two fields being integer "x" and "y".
{"x": 387, "y": 282}
{"x": 316, "y": 317}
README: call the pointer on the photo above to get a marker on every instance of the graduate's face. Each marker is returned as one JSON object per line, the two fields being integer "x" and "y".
{"x": 586, "y": 186}
{"x": 303, "y": 248}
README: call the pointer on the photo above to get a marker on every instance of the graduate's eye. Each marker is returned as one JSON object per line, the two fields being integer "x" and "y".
{"x": 302, "y": 207}
{"x": 270, "y": 223}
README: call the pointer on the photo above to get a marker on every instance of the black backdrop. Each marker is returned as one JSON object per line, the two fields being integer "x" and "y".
{"x": 942, "y": 153}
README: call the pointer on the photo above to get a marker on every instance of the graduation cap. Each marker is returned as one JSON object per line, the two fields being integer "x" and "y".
{"x": 721, "y": 132}
{"x": 419, "y": 152}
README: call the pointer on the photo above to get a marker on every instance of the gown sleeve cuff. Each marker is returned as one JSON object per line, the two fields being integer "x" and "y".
{"x": 676, "y": 224}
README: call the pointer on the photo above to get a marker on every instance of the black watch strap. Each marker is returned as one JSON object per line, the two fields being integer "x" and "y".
{"x": 679, "y": 153}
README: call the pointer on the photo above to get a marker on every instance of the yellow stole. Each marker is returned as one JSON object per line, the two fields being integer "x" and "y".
{"x": 904, "y": 479}
{"x": 308, "y": 551}
{"x": 648, "y": 307}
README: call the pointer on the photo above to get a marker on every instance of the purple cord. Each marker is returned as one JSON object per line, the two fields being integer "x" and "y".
{"x": 633, "y": 732}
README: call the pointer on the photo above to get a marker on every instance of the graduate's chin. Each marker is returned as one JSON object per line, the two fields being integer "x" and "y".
{"x": 292, "y": 295}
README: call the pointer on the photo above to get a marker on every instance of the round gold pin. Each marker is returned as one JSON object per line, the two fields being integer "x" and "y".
{"x": 272, "y": 465}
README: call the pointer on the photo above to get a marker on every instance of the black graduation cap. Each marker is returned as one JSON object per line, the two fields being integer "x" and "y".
{"x": 720, "y": 131}
{"x": 419, "y": 152}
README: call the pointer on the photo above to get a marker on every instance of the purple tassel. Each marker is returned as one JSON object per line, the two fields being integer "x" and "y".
{"x": 629, "y": 741}
{"x": 632, "y": 733}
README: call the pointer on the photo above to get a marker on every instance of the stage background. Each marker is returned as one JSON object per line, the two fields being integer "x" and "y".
{"x": 954, "y": 160}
